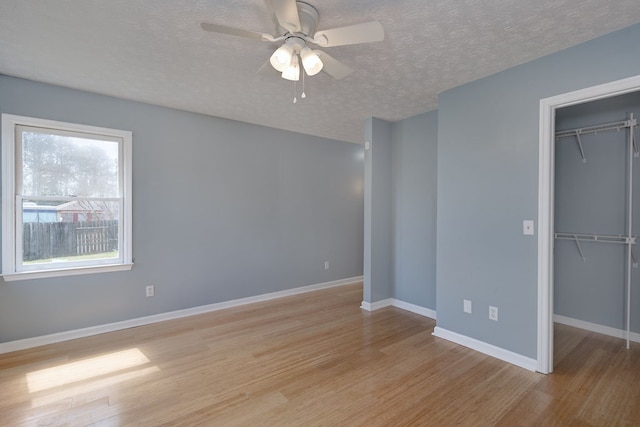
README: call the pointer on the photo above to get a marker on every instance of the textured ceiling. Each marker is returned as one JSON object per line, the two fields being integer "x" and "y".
{"x": 154, "y": 51}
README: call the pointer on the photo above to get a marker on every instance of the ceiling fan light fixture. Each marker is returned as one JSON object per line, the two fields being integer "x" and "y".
{"x": 292, "y": 72}
{"x": 282, "y": 58}
{"x": 311, "y": 61}
{"x": 296, "y": 22}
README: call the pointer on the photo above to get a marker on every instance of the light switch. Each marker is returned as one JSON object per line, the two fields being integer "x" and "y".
{"x": 466, "y": 307}
{"x": 527, "y": 227}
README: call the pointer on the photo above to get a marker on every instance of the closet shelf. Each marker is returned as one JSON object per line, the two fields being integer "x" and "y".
{"x": 605, "y": 127}
{"x": 602, "y": 238}
{"x": 630, "y": 124}
{"x": 598, "y": 238}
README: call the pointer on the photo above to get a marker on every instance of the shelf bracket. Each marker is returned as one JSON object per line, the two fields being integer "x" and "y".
{"x": 584, "y": 160}
{"x": 579, "y": 248}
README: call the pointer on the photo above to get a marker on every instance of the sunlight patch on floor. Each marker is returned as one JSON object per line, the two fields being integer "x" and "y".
{"x": 51, "y": 397}
{"x": 94, "y": 367}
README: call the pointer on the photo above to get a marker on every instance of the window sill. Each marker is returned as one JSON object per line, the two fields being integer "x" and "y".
{"x": 42, "y": 274}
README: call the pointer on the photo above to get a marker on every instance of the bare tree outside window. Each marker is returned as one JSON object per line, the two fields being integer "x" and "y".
{"x": 55, "y": 165}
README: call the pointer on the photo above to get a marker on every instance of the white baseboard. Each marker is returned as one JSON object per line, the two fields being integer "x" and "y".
{"x": 373, "y": 306}
{"x": 392, "y": 302}
{"x": 116, "y": 326}
{"x": 488, "y": 349}
{"x": 423, "y": 311}
{"x": 474, "y": 344}
{"x": 594, "y": 327}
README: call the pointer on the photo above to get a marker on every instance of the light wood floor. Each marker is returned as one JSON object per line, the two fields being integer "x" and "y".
{"x": 312, "y": 359}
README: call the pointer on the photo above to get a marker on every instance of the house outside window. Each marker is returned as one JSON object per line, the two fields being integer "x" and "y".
{"x": 66, "y": 198}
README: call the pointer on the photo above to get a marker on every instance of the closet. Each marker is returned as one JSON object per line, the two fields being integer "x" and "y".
{"x": 596, "y": 218}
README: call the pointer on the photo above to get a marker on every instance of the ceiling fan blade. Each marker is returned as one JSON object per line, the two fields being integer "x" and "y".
{"x": 333, "y": 67}
{"x": 221, "y": 29}
{"x": 286, "y": 12}
{"x": 267, "y": 70}
{"x": 352, "y": 34}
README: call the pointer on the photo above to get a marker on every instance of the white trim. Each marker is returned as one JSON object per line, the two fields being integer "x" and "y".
{"x": 422, "y": 311}
{"x": 546, "y": 166}
{"x": 392, "y": 302}
{"x": 545, "y": 240}
{"x": 171, "y": 315}
{"x": 8, "y": 180}
{"x": 373, "y": 306}
{"x": 594, "y": 327}
{"x": 41, "y": 274}
{"x": 488, "y": 349}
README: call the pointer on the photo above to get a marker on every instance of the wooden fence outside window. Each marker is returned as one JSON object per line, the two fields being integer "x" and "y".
{"x": 62, "y": 239}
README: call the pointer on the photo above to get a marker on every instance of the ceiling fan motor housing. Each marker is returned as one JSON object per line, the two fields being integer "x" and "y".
{"x": 308, "y": 20}
{"x": 296, "y": 43}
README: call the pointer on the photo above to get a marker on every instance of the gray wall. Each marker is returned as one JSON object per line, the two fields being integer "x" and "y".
{"x": 591, "y": 198}
{"x": 488, "y": 184}
{"x": 378, "y": 211}
{"x": 414, "y": 167}
{"x": 221, "y": 210}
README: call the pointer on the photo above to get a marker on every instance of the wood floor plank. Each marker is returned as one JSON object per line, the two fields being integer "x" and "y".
{"x": 314, "y": 359}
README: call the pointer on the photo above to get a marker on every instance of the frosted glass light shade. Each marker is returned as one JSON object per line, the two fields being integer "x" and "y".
{"x": 281, "y": 58}
{"x": 311, "y": 61}
{"x": 292, "y": 72}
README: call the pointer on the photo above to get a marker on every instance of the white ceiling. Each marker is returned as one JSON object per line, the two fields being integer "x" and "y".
{"x": 154, "y": 51}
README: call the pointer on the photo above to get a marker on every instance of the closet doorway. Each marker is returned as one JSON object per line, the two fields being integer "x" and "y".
{"x": 596, "y": 194}
{"x": 577, "y": 111}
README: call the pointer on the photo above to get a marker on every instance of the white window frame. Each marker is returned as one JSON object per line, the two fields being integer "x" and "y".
{"x": 12, "y": 212}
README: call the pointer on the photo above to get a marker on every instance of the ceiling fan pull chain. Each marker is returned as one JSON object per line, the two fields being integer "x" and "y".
{"x": 304, "y": 95}
{"x": 295, "y": 99}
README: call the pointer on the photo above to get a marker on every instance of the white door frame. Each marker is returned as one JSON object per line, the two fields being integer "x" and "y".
{"x": 546, "y": 180}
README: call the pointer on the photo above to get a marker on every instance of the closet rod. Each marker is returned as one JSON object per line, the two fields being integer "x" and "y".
{"x": 601, "y": 238}
{"x": 597, "y": 128}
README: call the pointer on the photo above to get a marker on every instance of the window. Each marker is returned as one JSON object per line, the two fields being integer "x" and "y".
{"x": 66, "y": 198}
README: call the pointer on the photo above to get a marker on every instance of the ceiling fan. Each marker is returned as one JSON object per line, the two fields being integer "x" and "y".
{"x": 296, "y": 28}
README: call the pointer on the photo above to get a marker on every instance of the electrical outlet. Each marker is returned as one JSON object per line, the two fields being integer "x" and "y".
{"x": 493, "y": 313}
{"x": 466, "y": 306}
{"x": 151, "y": 290}
{"x": 326, "y": 265}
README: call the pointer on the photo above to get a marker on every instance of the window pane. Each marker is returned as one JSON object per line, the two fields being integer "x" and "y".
{"x": 75, "y": 231}
{"x": 61, "y": 165}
